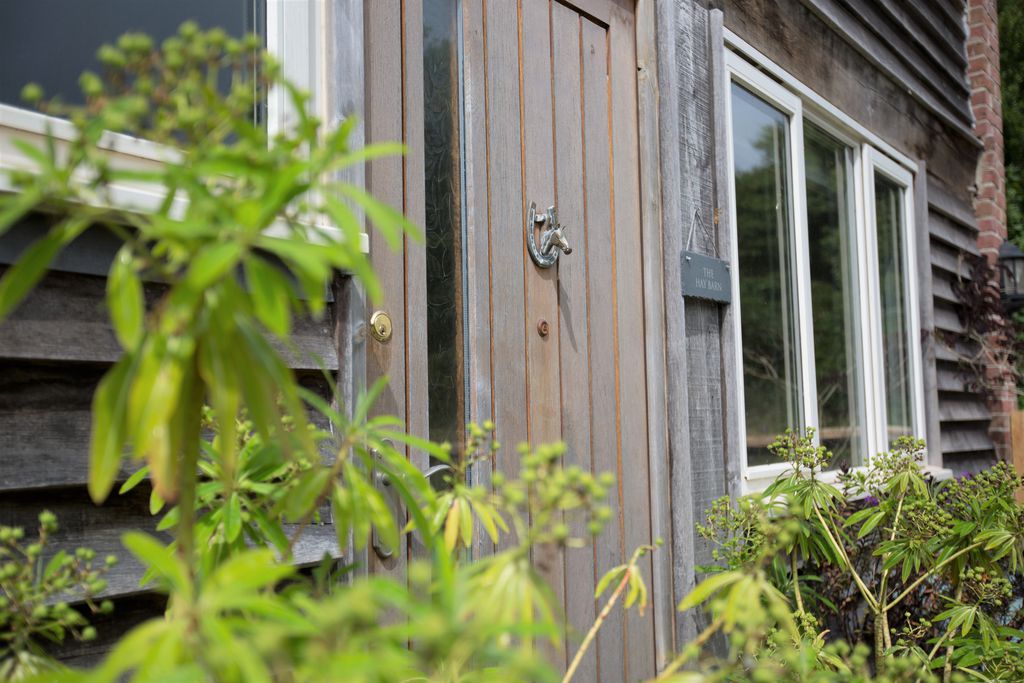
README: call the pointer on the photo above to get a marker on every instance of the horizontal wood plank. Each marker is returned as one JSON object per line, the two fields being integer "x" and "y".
{"x": 953, "y": 349}
{"x": 949, "y": 260}
{"x": 944, "y": 291}
{"x": 949, "y": 37}
{"x": 45, "y": 422}
{"x": 129, "y": 611}
{"x": 947, "y": 320}
{"x": 943, "y": 200}
{"x": 932, "y": 72}
{"x": 952, "y": 379}
{"x": 83, "y": 524}
{"x": 970, "y": 408}
{"x": 889, "y": 59}
{"x": 958, "y": 440}
{"x": 65, "y": 319}
{"x": 913, "y": 31}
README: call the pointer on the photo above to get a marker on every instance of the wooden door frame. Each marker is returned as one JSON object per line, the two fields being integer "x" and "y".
{"x": 652, "y": 142}
{"x": 346, "y": 86}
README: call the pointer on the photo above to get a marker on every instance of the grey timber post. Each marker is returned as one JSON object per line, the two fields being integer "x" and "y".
{"x": 696, "y": 349}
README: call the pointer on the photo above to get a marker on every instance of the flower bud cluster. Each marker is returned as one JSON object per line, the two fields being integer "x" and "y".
{"x": 36, "y": 585}
{"x": 800, "y": 450}
{"x": 546, "y": 491}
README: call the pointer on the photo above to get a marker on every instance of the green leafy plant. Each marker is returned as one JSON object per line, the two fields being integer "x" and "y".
{"x": 248, "y": 231}
{"x": 895, "y": 537}
{"x": 36, "y": 587}
{"x": 235, "y": 201}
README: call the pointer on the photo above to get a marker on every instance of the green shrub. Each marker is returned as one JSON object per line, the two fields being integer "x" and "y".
{"x": 929, "y": 567}
{"x": 35, "y": 590}
{"x": 204, "y": 400}
{"x": 206, "y": 359}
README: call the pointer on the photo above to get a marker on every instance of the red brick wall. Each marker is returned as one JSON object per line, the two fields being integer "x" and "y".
{"x": 990, "y": 200}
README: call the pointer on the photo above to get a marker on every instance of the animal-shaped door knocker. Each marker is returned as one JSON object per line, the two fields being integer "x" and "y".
{"x": 552, "y": 240}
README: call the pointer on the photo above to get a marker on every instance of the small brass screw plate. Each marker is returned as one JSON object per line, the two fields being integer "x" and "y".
{"x": 380, "y": 326}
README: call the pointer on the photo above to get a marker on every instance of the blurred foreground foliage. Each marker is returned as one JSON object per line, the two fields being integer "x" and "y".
{"x": 244, "y": 229}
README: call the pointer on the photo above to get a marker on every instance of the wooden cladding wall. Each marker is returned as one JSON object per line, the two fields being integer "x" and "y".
{"x": 921, "y": 44}
{"x": 54, "y": 349}
{"x": 878, "y": 62}
{"x": 962, "y": 414}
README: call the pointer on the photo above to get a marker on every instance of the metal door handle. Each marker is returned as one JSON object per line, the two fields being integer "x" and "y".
{"x": 552, "y": 241}
{"x": 434, "y": 471}
{"x": 383, "y": 484}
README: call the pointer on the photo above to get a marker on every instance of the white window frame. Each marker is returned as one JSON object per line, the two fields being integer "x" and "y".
{"x": 878, "y": 163}
{"x": 295, "y": 34}
{"x": 742, "y": 72}
{"x": 751, "y": 69}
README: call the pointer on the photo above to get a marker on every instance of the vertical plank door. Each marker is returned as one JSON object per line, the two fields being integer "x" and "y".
{"x": 573, "y": 102}
{"x": 548, "y": 115}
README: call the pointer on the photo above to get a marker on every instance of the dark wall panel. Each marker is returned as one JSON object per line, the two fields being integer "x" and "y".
{"x": 898, "y": 71}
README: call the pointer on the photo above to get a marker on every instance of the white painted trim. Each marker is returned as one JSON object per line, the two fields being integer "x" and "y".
{"x": 898, "y": 174}
{"x": 740, "y": 71}
{"x": 769, "y": 473}
{"x": 870, "y": 336}
{"x": 869, "y": 153}
{"x": 875, "y": 385}
{"x": 295, "y": 34}
{"x": 814, "y": 101}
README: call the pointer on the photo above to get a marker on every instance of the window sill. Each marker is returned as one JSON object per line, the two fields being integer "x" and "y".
{"x": 126, "y": 153}
{"x": 757, "y": 479}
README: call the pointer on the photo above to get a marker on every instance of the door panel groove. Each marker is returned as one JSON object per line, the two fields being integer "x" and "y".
{"x": 608, "y": 549}
{"x": 566, "y": 88}
{"x": 630, "y": 320}
{"x": 585, "y": 226}
{"x": 549, "y": 115}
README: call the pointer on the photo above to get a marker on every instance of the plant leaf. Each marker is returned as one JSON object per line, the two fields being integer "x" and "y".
{"x": 125, "y": 299}
{"x": 708, "y": 587}
{"x": 109, "y": 430}
{"x": 233, "y": 518}
{"x": 269, "y": 289}
{"x": 24, "y": 275}
{"x": 161, "y": 559}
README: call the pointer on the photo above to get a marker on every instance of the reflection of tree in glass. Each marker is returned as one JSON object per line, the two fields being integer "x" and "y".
{"x": 895, "y": 334}
{"x": 832, "y": 296}
{"x": 766, "y": 273}
{"x": 442, "y": 199}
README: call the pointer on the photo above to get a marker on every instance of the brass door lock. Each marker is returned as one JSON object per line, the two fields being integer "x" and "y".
{"x": 381, "y": 327}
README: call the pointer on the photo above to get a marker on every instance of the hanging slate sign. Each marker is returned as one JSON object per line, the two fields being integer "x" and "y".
{"x": 705, "y": 277}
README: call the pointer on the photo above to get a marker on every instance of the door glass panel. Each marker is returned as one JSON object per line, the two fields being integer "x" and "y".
{"x": 837, "y": 359}
{"x": 51, "y": 42}
{"x": 443, "y": 220}
{"x": 768, "y": 314}
{"x": 892, "y": 273}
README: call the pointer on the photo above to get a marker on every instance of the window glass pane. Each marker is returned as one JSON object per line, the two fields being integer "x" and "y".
{"x": 837, "y": 359}
{"x": 892, "y": 272}
{"x": 768, "y": 314}
{"x": 443, "y": 220}
{"x": 51, "y": 42}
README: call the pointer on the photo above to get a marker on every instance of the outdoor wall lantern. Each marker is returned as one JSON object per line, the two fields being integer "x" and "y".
{"x": 1011, "y": 276}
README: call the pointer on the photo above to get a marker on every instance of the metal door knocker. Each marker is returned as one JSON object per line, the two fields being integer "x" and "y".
{"x": 552, "y": 240}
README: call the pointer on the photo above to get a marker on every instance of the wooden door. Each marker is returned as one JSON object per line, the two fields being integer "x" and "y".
{"x": 546, "y": 102}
